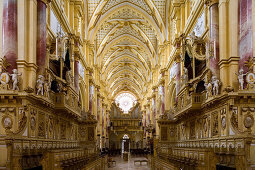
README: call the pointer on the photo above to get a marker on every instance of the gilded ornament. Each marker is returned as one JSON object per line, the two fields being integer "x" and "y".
{"x": 223, "y": 122}
{"x": 248, "y": 120}
{"x": 7, "y": 122}
{"x": 32, "y": 123}
{"x": 4, "y": 78}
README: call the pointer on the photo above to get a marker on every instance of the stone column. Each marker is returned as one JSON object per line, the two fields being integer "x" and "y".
{"x": 245, "y": 33}
{"x": 10, "y": 46}
{"x": 76, "y": 74}
{"x": 214, "y": 37}
{"x": 41, "y": 36}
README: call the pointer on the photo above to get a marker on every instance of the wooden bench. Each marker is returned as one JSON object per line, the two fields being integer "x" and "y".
{"x": 110, "y": 162}
{"x": 141, "y": 161}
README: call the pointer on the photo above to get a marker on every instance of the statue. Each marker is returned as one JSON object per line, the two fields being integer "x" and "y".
{"x": 215, "y": 83}
{"x": 40, "y": 84}
{"x": 14, "y": 76}
{"x": 185, "y": 76}
{"x": 68, "y": 77}
{"x": 240, "y": 78}
{"x": 208, "y": 87}
{"x": 47, "y": 88}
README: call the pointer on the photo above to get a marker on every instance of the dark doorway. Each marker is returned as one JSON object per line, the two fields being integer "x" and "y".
{"x": 220, "y": 167}
{"x": 200, "y": 87}
{"x": 188, "y": 66}
{"x": 36, "y": 168}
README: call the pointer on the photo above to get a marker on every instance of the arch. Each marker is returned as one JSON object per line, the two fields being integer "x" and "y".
{"x": 99, "y": 54}
{"x": 103, "y": 17}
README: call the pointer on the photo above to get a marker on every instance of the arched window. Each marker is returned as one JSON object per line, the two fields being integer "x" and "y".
{"x": 125, "y": 136}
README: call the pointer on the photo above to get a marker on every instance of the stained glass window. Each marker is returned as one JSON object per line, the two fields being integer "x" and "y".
{"x": 126, "y": 101}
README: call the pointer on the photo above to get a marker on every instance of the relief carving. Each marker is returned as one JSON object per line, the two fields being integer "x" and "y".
{"x": 234, "y": 118}
{"x": 215, "y": 127}
{"x": 41, "y": 125}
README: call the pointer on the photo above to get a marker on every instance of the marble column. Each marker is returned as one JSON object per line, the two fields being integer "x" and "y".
{"x": 245, "y": 33}
{"x": 103, "y": 122}
{"x": 162, "y": 93}
{"x": 178, "y": 74}
{"x": 76, "y": 74}
{"x": 10, "y": 46}
{"x": 214, "y": 38}
{"x": 90, "y": 98}
{"x": 148, "y": 114}
{"x": 154, "y": 109}
{"x": 98, "y": 111}
{"x": 41, "y": 37}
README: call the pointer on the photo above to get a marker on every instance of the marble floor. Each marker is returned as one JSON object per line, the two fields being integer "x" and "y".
{"x": 129, "y": 165}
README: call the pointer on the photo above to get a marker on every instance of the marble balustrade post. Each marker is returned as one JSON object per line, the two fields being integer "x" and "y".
{"x": 214, "y": 38}
{"x": 41, "y": 37}
{"x": 10, "y": 46}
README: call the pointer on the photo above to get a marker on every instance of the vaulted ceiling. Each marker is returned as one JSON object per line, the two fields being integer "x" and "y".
{"x": 126, "y": 35}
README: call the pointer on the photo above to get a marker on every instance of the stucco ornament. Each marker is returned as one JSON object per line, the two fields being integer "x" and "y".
{"x": 7, "y": 122}
{"x": 223, "y": 122}
{"x": 248, "y": 120}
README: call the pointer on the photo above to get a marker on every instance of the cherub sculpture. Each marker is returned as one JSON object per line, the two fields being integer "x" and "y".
{"x": 40, "y": 84}
{"x": 185, "y": 76}
{"x": 47, "y": 86}
{"x": 216, "y": 84}
{"x": 208, "y": 87}
{"x": 241, "y": 78}
{"x": 69, "y": 77}
{"x": 15, "y": 80}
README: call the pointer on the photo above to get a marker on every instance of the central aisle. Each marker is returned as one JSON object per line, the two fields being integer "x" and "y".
{"x": 129, "y": 165}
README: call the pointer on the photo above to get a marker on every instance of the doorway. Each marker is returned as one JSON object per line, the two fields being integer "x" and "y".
{"x": 125, "y": 143}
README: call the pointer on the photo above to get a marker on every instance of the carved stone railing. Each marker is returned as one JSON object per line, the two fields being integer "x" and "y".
{"x": 218, "y": 145}
{"x": 43, "y": 144}
{"x": 130, "y": 128}
{"x": 68, "y": 102}
{"x": 188, "y": 103}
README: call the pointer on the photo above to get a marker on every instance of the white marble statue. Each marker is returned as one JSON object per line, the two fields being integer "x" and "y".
{"x": 216, "y": 84}
{"x": 185, "y": 75}
{"x": 40, "y": 84}
{"x": 15, "y": 81}
{"x": 208, "y": 87}
{"x": 241, "y": 78}
{"x": 69, "y": 77}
